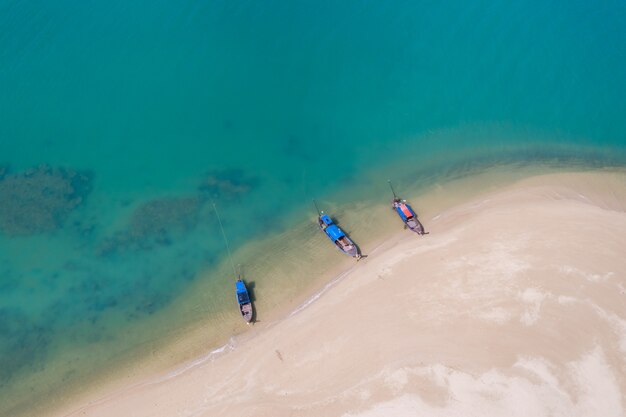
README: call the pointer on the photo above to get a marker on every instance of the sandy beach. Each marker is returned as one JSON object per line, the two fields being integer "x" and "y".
{"x": 514, "y": 304}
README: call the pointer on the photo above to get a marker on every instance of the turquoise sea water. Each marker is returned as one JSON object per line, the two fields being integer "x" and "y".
{"x": 143, "y": 113}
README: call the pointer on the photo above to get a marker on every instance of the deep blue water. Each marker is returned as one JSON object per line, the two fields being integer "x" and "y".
{"x": 145, "y": 112}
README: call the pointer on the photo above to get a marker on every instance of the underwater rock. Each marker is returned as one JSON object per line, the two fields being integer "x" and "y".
{"x": 39, "y": 200}
{"x": 161, "y": 215}
{"x": 153, "y": 223}
{"x": 227, "y": 184}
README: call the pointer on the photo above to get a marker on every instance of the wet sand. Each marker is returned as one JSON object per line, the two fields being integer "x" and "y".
{"x": 515, "y": 304}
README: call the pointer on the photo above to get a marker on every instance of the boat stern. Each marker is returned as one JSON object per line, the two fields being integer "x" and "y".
{"x": 353, "y": 251}
{"x": 247, "y": 312}
{"x": 415, "y": 226}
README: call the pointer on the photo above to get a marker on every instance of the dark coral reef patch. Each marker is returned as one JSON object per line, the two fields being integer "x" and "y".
{"x": 159, "y": 215}
{"x": 159, "y": 222}
{"x": 39, "y": 200}
{"x": 154, "y": 223}
{"x": 227, "y": 184}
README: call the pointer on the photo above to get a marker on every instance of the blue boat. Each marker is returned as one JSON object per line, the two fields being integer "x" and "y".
{"x": 406, "y": 213}
{"x": 243, "y": 298}
{"x": 337, "y": 236}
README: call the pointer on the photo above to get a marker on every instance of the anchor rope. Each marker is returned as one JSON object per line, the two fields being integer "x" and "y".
{"x": 230, "y": 255}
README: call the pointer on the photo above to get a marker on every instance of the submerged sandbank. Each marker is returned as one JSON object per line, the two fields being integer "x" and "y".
{"x": 513, "y": 305}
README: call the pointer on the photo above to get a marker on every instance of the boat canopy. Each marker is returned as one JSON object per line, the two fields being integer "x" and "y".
{"x": 242, "y": 293}
{"x": 243, "y": 298}
{"x": 406, "y": 209}
{"x": 326, "y": 219}
{"x": 334, "y": 232}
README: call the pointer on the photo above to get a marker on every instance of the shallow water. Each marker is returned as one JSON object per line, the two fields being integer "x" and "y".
{"x": 156, "y": 110}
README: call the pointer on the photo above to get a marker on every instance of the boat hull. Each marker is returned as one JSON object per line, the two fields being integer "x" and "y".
{"x": 247, "y": 312}
{"x": 245, "y": 303}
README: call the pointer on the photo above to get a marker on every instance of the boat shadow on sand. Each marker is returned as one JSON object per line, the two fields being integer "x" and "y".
{"x": 250, "y": 285}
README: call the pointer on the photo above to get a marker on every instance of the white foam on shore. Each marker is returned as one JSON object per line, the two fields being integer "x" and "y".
{"x": 230, "y": 346}
{"x": 176, "y": 372}
{"x": 328, "y": 286}
{"x": 219, "y": 351}
{"x": 319, "y": 293}
{"x": 197, "y": 362}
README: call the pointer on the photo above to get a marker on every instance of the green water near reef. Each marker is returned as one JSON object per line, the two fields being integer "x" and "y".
{"x": 160, "y": 108}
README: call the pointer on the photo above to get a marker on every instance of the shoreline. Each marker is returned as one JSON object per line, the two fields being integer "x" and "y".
{"x": 279, "y": 317}
{"x": 191, "y": 326}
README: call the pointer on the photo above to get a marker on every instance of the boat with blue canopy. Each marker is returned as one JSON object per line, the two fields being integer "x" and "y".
{"x": 337, "y": 236}
{"x": 406, "y": 213}
{"x": 243, "y": 298}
